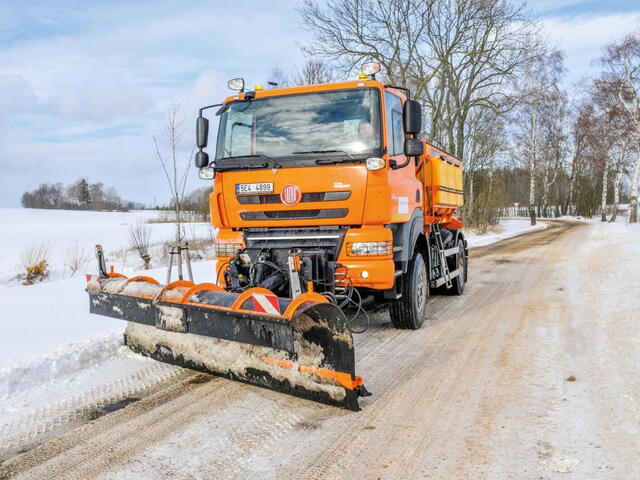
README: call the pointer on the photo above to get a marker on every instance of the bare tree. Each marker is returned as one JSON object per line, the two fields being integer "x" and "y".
{"x": 478, "y": 49}
{"x": 555, "y": 143}
{"x": 578, "y": 143}
{"x": 621, "y": 62}
{"x": 76, "y": 257}
{"x": 455, "y": 55}
{"x": 485, "y": 140}
{"x": 390, "y": 32}
{"x": 176, "y": 169}
{"x": 609, "y": 138}
{"x": 278, "y": 78}
{"x": 313, "y": 72}
{"x": 619, "y": 168}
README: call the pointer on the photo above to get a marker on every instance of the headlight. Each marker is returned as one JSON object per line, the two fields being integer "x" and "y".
{"x": 236, "y": 84}
{"x": 227, "y": 249}
{"x": 375, "y": 163}
{"x": 207, "y": 173}
{"x": 369, "y": 248}
{"x": 370, "y": 68}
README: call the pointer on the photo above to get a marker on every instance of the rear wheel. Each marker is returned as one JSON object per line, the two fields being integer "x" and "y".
{"x": 458, "y": 283}
{"x": 410, "y": 310}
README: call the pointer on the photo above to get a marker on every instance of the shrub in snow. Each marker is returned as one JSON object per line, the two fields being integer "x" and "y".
{"x": 34, "y": 262}
{"x": 140, "y": 237}
{"x": 75, "y": 258}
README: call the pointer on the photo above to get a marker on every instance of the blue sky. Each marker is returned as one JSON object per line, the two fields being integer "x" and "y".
{"x": 85, "y": 85}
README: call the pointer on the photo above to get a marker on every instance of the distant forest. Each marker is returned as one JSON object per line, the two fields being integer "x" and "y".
{"x": 80, "y": 195}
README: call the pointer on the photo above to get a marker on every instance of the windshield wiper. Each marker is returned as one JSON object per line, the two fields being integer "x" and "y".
{"x": 323, "y": 151}
{"x": 256, "y": 155}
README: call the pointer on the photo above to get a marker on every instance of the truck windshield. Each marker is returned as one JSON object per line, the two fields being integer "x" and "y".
{"x": 339, "y": 122}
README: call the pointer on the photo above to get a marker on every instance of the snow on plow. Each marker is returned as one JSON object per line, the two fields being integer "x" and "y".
{"x": 300, "y": 346}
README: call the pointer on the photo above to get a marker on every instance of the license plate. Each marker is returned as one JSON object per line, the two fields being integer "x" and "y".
{"x": 246, "y": 188}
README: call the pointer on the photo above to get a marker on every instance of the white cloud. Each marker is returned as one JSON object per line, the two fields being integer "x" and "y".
{"x": 16, "y": 92}
{"x": 582, "y": 37}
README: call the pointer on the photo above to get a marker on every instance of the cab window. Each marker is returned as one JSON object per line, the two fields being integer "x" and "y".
{"x": 395, "y": 133}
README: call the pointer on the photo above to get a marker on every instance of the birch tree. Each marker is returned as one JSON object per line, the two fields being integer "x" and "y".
{"x": 621, "y": 62}
{"x": 578, "y": 143}
{"x": 538, "y": 88}
{"x": 555, "y": 142}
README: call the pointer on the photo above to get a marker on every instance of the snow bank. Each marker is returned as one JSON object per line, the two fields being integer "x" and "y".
{"x": 36, "y": 319}
{"x": 507, "y": 228}
{"x": 57, "y": 364}
{"x": 74, "y": 376}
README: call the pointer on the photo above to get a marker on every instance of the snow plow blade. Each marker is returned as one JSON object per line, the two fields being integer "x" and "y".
{"x": 299, "y": 346}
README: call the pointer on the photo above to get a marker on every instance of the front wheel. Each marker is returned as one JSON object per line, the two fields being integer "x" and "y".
{"x": 410, "y": 310}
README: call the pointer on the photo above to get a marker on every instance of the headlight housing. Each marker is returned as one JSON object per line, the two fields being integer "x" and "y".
{"x": 369, "y": 248}
{"x": 207, "y": 173}
{"x": 227, "y": 249}
{"x": 375, "y": 163}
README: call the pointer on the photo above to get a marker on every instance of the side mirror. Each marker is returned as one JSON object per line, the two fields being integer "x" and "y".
{"x": 202, "y": 159}
{"x": 412, "y": 117}
{"x": 413, "y": 147}
{"x": 202, "y": 132}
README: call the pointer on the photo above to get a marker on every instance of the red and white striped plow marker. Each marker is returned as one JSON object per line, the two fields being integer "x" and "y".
{"x": 265, "y": 303}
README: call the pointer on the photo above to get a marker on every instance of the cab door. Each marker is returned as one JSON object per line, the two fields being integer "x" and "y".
{"x": 405, "y": 189}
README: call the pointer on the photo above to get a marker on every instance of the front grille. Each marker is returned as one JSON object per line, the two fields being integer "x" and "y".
{"x": 307, "y": 238}
{"x": 271, "y": 199}
{"x": 295, "y": 214}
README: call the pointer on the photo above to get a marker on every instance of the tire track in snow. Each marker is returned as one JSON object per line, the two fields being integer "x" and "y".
{"x": 94, "y": 446}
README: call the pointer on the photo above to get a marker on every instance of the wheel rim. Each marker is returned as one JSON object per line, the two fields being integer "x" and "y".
{"x": 421, "y": 288}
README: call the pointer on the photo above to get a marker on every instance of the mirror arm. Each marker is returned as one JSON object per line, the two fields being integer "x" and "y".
{"x": 394, "y": 165}
{"x": 209, "y": 106}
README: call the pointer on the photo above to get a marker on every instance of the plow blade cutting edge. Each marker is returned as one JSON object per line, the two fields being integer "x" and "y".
{"x": 299, "y": 346}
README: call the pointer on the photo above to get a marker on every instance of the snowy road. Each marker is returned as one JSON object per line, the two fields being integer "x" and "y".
{"x": 533, "y": 373}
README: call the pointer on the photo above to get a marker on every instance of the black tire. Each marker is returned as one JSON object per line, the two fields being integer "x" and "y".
{"x": 458, "y": 283}
{"x": 410, "y": 311}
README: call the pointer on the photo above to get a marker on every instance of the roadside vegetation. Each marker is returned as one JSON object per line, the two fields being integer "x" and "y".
{"x": 80, "y": 195}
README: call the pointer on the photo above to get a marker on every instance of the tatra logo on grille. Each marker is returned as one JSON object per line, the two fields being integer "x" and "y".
{"x": 290, "y": 195}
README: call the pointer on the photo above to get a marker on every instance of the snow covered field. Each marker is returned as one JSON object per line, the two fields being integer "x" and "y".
{"x": 51, "y": 349}
{"x": 60, "y": 230}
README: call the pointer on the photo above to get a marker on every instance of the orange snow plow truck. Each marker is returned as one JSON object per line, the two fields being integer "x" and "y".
{"x": 326, "y": 206}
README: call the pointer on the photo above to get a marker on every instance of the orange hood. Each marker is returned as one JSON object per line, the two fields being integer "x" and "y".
{"x": 328, "y": 195}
